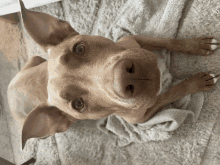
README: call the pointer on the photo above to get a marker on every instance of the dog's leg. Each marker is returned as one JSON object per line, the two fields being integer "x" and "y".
{"x": 201, "y": 45}
{"x": 175, "y": 93}
{"x": 34, "y": 61}
{"x": 201, "y": 82}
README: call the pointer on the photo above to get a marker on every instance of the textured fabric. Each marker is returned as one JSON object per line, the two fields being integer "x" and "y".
{"x": 12, "y": 6}
{"x": 202, "y": 18}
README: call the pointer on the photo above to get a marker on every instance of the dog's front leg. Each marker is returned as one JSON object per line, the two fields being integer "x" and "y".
{"x": 175, "y": 93}
{"x": 202, "y": 45}
{"x": 145, "y": 42}
{"x": 201, "y": 82}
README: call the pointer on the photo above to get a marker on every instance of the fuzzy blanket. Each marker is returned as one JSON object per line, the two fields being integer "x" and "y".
{"x": 84, "y": 143}
{"x": 12, "y": 6}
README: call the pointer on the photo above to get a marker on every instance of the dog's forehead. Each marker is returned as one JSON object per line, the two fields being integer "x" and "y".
{"x": 62, "y": 54}
{"x": 89, "y": 40}
{"x": 63, "y": 89}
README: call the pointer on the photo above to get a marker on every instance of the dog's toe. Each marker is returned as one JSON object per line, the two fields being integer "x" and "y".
{"x": 215, "y": 79}
{"x": 212, "y": 75}
{"x": 208, "y": 52}
{"x": 213, "y": 47}
{"x": 214, "y": 41}
{"x": 214, "y": 44}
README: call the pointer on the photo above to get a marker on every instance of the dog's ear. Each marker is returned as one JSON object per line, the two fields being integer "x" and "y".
{"x": 45, "y": 29}
{"x": 44, "y": 121}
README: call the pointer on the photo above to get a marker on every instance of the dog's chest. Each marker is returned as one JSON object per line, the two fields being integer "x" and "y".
{"x": 165, "y": 76}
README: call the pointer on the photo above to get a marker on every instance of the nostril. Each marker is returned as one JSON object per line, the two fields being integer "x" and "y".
{"x": 130, "y": 69}
{"x": 130, "y": 88}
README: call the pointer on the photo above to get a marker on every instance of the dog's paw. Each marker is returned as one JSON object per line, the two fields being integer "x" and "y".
{"x": 207, "y": 45}
{"x": 202, "y": 82}
{"x": 204, "y": 46}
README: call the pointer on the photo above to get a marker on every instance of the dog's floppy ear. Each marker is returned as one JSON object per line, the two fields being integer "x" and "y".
{"x": 44, "y": 121}
{"x": 45, "y": 29}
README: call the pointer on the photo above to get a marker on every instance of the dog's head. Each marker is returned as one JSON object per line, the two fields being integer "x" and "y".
{"x": 89, "y": 77}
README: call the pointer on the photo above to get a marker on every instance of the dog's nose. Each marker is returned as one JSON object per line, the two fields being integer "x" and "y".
{"x": 127, "y": 78}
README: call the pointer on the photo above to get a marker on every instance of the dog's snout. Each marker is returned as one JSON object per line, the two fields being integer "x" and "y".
{"x": 127, "y": 79}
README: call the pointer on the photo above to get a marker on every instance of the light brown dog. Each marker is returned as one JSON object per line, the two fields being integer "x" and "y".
{"x": 91, "y": 77}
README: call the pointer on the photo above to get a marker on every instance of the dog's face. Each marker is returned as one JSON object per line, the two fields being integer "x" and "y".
{"x": 91, "y": 77}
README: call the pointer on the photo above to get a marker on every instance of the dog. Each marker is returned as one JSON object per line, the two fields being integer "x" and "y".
{"x": 91, "y": 77}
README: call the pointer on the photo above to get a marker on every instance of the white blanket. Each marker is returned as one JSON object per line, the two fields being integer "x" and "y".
{"x": 12, "y": 6}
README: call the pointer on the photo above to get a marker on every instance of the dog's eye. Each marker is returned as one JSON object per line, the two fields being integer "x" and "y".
{"x": 130, "y": 69}
{"x": 79, "y": 49}
{"x": 78, "y": 104}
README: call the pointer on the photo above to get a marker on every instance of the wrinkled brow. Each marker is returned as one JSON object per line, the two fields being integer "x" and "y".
{"x": 71, "y": 92}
